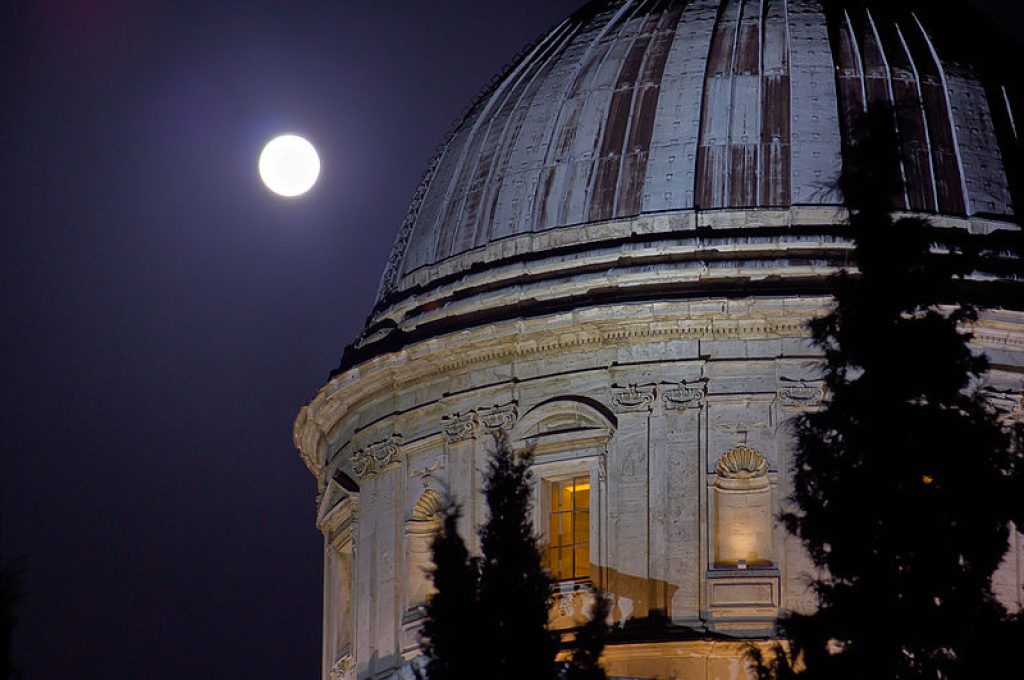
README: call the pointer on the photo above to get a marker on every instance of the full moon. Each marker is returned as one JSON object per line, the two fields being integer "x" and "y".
{"x": 289, "y": 165}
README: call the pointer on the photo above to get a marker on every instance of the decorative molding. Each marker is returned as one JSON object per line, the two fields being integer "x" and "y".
{"x": 335, "y": 510}
{"x": 741, "y": 427}
{"x": 428, "y": 474}
{"x": 497, "y": 417}
{"x": 1008, "y": 404}
{"x": 418, "y": 364}
{"x": 685, "y": 396}
{"x": 428, "y": 508}
{"x": 578, "y": 602}
{"x": 633, "y": 398}
{"x": 393, "y": 269}
{"x": 377, "y": 457}
{"x": 801, "y": 393}
{"x": 742, "y": 462}
{"x": 344, "y": 668}
{"x": 460, "y": 427}
{"x": 347, "y": 392}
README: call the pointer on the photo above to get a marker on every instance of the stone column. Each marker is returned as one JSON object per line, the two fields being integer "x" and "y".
{"x": 628, "y": 569}
{"x": 675, "y": 498}
{"x": 460, "y": 431}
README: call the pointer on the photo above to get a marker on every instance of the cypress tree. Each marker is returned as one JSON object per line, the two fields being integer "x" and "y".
{"x": 587, "y": 647}
{"x": 905, "y": 483}
{"x": 451, "y": 630}
{"x": 515, "y": 590}
{"x": 10, "y": 594}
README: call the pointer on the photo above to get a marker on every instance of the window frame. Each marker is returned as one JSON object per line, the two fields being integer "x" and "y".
{"x": 550, "y": 486}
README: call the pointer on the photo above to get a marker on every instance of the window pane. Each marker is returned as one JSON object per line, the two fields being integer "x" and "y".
{"x": 581, "y": 534}
{"x": 582, "y": 561}
{"x": 565, "y": 495}
{"x": 565, "y": 563}
{"x": 565, "y": 529}
{"x": 582, "y": 497}
{"x": 553, "y": 562}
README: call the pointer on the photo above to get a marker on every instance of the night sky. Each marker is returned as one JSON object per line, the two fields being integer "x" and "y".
{"x": 163, "y": 316}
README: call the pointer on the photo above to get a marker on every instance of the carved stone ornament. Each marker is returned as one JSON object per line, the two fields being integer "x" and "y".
{"x": 742, "y": 462}
{"x": 741, "y": 427}
{"x": 499, "y": 417}
{"x": 798, "y": 393}
{"x": 633, "y": 398}
{"x": 428, "y": 474}
{"x": 684, "y": 396}
{"x": 460, "y": 427}
{"x": 1008, "y": 404}
{"x": 344, "y": 668}
{"x": 393, "y": 270}
{"x": 377, "y": 457}
{"x": 429, "y": 506}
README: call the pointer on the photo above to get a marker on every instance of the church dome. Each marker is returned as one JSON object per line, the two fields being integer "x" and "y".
{"x": 613, "y": 260}
{"x": 630, "y": 109}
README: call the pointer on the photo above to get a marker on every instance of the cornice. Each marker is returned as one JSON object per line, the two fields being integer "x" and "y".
{"x": 584, "y": 332}
{"x": 525, "y": 339}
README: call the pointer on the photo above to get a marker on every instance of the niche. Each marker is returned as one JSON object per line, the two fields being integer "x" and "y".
{"x": 743, "y": 510}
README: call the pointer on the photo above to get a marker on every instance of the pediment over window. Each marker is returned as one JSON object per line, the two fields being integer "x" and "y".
{"x": 337, "y": 505}
{"x": 557, "y": 422}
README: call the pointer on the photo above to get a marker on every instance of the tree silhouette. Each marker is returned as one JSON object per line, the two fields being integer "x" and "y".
{"x": 452, "y": 628}
{"x": 489, "y": 615}
{"x": 589, "y": 643}
{"x": 515, "y": 589}
{"x": 9, "y": 596}
{"x": 905, "y": 483}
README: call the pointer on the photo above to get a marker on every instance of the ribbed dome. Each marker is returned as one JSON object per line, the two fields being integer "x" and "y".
{"x": 630, "y": 108}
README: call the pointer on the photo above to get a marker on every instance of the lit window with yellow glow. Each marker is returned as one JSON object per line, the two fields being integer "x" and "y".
{"x": 569, "y": 551}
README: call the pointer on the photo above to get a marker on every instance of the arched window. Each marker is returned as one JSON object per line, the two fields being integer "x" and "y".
{"x": 568, "y": 439}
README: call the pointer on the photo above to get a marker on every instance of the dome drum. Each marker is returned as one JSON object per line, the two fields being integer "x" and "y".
{"x": 613, "y": 260}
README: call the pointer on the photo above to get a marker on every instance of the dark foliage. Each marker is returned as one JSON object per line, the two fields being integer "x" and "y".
{"x": 905, "y": 483}
{"x": 587, "y": 647}
{"x": 489, "y": 615}
{"x": 452, "y": 628}
{"x": 515, "y": 589}
{"x": 10, "y": 593}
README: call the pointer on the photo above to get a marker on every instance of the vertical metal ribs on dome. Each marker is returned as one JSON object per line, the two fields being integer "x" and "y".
{"x": 634, "y": 107}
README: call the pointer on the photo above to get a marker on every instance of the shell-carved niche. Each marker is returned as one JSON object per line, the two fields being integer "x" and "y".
{"x": 743, "y": 509}
{"x": 429, "y": 508}
{"x": 742, "y": 462}
{"x": 425, "y": 520}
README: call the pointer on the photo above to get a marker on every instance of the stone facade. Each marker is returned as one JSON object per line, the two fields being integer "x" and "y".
{"x": 683, "y": 436}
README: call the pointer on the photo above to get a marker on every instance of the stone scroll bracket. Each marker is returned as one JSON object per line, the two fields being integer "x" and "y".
{"x": 684, "y": 395}
{"x": 800, "y": 394}
{"x": 468, "y": 425}
{"x": 633, "y": 398}
{"x": 1007, "y": 403}
{"x": 377, "y": 457}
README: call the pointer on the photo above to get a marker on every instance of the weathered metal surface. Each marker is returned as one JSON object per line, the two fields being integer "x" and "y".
{"x": 644, "y": 106}
{"x": 671, "y": 172}
{"x": 814, "y": 114}
{"x": 981, "y": 159}
{"x": 776, "y": 116}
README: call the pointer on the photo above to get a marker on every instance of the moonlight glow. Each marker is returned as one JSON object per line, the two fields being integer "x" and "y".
{"x": 289, "y": 165}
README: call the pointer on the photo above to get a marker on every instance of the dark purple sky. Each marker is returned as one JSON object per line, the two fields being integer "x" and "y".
{"x": 163, "y": 317}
